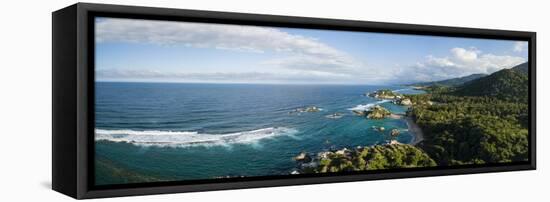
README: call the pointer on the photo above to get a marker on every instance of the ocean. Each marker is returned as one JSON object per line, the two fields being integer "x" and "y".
{"x": 175, "y": 131}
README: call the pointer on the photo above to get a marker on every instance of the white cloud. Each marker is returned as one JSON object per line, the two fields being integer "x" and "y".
{"x": 313, "y": 63}
{"x": 294, "y": 57}
{"x": 306, "y": 52}
{"x": 520, "y": 46}
{"x": 460, "y": 62}
{"x": 249, "y": 77}
{"x": 464, "y": 55}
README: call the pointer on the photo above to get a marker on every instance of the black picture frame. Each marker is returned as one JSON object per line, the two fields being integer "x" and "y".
{"x": 73, "y": 99}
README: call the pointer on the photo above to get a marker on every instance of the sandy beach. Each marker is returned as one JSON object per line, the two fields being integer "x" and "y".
{"x": 415, "y": 130}
{"x": 396, "y": 116}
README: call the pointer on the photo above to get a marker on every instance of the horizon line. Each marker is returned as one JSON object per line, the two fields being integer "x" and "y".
{"x": 243, "y": 83}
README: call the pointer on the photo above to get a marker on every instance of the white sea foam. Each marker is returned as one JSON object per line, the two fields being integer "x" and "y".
{"x": 367, "y": 106}
{"x": 398, "y": 90}
{"x": 186, "y": 138}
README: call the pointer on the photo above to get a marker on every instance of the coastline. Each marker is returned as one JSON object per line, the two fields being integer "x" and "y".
{"x": 418, "y": 135}
{"x": 412, "y": 127}
{"x": 245, "y": 143}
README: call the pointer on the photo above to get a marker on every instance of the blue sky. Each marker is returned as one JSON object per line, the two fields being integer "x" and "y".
{"x": 164, "y": 51}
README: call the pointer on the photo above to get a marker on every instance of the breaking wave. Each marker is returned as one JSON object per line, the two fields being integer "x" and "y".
{"x": 398, "y": 90}
{"x": 368, "y": 106}
{"x": 186, "y": 138}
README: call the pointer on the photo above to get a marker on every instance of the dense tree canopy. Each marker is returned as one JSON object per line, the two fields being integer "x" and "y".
{"x": 507, "y": 84}
{"x": 374, "y": 158}
{"x": 485, "y": 120}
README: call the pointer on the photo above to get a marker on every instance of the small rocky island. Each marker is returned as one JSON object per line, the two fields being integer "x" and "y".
{"x": 386, "y": 94}
{"x": 336, "y": 115}
{"x": 305, "y": 109}
{"x": 378, "y": 128}
{"x": 375, "y": 112}
{"x": 378, "y": 112}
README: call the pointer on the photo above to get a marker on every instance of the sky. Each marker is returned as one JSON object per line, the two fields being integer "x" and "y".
{"x": 132, "y": 50}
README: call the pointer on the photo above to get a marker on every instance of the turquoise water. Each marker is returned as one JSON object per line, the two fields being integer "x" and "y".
{"x": 171, "y": 131}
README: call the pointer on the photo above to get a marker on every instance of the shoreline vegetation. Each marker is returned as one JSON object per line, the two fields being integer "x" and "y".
{"x": 473, "y": 120}
{"x": 376, "y": 157}
{"x": 412, "y": 128}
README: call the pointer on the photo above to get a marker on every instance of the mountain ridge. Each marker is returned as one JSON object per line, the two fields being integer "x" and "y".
{"x": 451, "y": 82}
{"x": 507, "y": 84}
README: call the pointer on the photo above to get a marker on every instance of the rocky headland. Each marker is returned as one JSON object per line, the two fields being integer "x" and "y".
{"x": 392, "y": 155}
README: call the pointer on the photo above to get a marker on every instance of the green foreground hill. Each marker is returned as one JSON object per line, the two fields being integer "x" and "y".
{"x": 482, "y": 121}
{"x": 372, "y": 158}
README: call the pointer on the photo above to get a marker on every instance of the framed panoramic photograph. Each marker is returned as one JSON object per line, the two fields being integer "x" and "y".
{"x": 153, "y": 100}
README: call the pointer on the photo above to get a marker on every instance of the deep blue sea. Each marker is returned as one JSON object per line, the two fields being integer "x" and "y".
{"x": 176, "y": 131}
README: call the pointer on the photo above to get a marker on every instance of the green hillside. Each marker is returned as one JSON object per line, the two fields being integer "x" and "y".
{"x": 482, "y": 121}
{"x": 507, "y": 84}
{"x": 524, "y": 68}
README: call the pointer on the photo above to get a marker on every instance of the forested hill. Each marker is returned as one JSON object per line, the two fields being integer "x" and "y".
{"x": 524, "y": 68}
{"x": 507, "y": 84}
{"x": 451, "y": 82}
{"x": 482, "y": 121}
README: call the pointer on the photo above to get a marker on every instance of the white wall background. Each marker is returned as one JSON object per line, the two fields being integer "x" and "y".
{"x": 25, "y": 99}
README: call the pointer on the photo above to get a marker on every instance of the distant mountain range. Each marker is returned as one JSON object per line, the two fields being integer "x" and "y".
{"x": 451, "y": 82}
{"x": 455, "y": 82}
